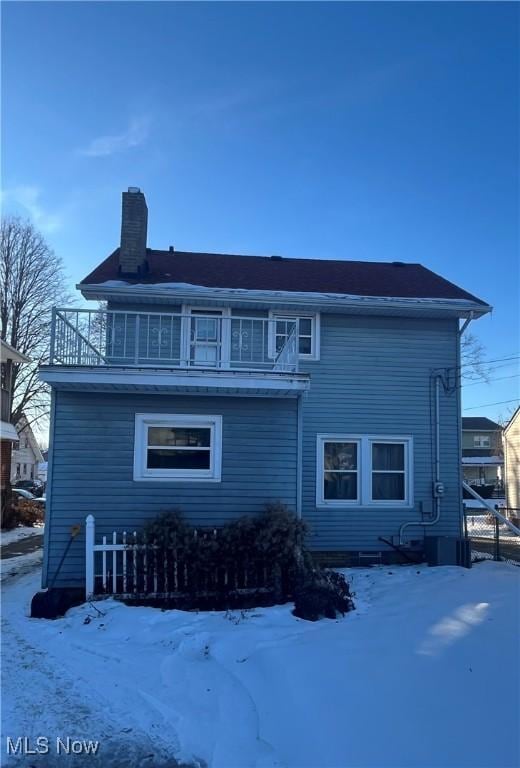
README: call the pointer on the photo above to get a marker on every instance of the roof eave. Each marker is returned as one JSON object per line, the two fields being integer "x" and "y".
{"x": 457, "y": 307}
{"x": 10, "y": 353}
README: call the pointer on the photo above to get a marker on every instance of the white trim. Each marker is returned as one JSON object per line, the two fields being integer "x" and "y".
{"x": 314, "y": 317}
{"x": 174, "y": 378}
{"x": 364, "y": 470}
{"x": 10, "y": 353}
{"x": 145, "y": 420}
{"x": 187, "y": 292}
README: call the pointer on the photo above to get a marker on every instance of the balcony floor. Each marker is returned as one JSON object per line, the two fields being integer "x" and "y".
{"x": 175, "y": 380}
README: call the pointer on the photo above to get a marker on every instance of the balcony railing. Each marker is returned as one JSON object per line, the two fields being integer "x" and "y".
{"x": 202, "y": 340}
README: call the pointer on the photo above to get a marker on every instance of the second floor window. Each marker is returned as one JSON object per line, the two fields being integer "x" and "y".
{"x": 481, "y": 441}
{"x": 308, "y": 333}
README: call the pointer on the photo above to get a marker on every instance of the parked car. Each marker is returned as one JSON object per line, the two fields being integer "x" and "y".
{"x": 35, "y": 487}
{"x": 25, "y": 494}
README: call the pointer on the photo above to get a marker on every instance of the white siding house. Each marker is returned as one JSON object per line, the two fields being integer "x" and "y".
{"x": 512, "y": 461}
{"x": 27, "y": 456}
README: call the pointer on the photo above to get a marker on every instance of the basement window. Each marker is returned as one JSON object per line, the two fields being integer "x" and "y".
{"x": 178, "y": 447}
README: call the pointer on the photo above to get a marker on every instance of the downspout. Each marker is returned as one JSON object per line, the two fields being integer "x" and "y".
{"x": 299, "y": 454}
{"x": 437, "y": 485}
{"x": 48, "y": 491}
{"x": 438, "y": 489}
{"x": 465, "y": 324}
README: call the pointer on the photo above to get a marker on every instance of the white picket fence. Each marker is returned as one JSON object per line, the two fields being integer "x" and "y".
{"x": 126, "y": 566}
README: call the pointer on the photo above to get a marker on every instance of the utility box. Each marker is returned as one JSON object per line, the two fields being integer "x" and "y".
{"x": 447, "y": 550}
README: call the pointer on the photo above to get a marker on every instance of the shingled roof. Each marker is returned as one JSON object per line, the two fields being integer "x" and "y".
{"x": 274, "y": 273}
{"x": 477, "y": 423}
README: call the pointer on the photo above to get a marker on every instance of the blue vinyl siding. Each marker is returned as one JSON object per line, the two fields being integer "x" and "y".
{"x": 373, "y": 377}
{"x": 93, "y": 466}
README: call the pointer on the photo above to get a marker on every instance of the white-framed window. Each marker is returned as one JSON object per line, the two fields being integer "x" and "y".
{"x": 177, "y": 447}
{"x": 281, "y": 326}
{"x": 481, "y": 441}
{"x": 364, "y": 470}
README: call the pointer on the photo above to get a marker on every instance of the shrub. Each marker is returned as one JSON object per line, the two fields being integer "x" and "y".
{"x": 227, "y": 566}
{"x": 21, "y": 512}
{"x": 167, "y": 529}
{"x": 322, "y": 594}
{"x": 251, "y": 553}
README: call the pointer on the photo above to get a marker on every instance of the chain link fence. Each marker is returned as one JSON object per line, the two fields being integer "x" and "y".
{"x": 491, "y": 538}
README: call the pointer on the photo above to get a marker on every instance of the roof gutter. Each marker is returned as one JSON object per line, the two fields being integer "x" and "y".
{"x": 186, "y": 293}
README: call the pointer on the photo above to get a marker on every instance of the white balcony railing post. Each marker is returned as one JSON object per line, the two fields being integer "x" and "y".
{"x": 137, "y": 336}
{"x": 53, "y": 336}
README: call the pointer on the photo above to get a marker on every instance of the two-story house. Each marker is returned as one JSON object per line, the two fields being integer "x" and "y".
{"x": 9, "y": 357}
{"x": 215, "y": 383}
{"x": 482, "y": 452}
{"x": 27, "y": 456}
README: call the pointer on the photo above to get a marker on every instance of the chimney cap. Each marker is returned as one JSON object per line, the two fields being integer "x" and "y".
{"x": 133, "y": 190}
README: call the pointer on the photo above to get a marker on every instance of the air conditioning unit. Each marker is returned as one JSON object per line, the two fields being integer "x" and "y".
{"x": 447, "y": 550}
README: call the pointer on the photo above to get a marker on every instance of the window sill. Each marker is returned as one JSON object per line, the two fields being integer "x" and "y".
{"x": 177, "y": 480}
{"x": 369, "y": 506}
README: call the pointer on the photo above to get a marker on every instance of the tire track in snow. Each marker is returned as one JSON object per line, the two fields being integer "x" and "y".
{"x": 40, "y": 699}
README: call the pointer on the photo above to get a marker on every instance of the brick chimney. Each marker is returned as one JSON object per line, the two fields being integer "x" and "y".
{"x": 134, "y": 225}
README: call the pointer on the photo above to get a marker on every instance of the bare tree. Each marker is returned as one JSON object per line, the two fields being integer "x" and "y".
{"x": 472, "y": 358}
{"x": 32, "y": 281}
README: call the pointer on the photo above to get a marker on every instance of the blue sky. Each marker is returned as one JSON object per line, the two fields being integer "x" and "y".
{"x": 364, "y": 131}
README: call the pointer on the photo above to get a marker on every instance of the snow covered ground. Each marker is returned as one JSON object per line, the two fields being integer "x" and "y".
{"x": 476, "y": 504}
{"x": 22, "y": 532}
{"x": 403, "y": 681}
{"x": 16, "y": 566}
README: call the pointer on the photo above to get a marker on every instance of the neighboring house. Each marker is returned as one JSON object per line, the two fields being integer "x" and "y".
{"x": 42, "y": 471}
{"x": 27, "y": 455}
{"x": 216, "y": 383}
{"x": 512, "y": 462}
{"x": 482, "y": 452}
{"x": 9, "y": 357}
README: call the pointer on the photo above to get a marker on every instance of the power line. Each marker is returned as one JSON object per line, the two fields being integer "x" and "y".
{"x": 487, "y": 362}
{"x": 487, "y": 405}
{"x": 499, "y": 378}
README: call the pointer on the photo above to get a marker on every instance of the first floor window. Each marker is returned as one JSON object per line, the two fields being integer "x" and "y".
{"x": 177, "y": 447}
{"x": 340, "y": 477}
{"x": 364, "y": 470}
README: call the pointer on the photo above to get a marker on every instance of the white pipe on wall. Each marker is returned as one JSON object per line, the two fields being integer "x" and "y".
{"x": 437, "y": 473}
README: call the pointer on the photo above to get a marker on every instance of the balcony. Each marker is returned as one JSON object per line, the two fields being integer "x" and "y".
{"x": 200, "y": 350}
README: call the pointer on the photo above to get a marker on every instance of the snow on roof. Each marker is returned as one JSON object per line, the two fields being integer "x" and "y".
{"x": 482, "y": 460}
{"x": 192, "y": 287}
{"x": 266, "y": 273}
